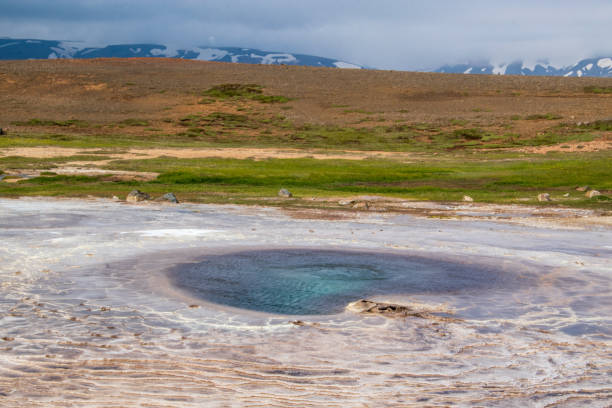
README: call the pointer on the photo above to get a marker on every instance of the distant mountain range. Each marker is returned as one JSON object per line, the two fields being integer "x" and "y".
{"x": 20, "y": 49}
{"x": 591, "y": 67}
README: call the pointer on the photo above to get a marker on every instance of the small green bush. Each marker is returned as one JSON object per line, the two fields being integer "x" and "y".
{"x": 598, "y": 89}
{"x": 134, "y": 122}
{"x": 242, "y": 91}
{"x": 548, "y": 116}
{"x": 604, "y": 125}
{"x": 469, "y": 134}
{"x": 61, "y": 123}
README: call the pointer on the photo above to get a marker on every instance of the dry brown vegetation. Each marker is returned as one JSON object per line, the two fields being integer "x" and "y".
{"x": 161, "y": 92}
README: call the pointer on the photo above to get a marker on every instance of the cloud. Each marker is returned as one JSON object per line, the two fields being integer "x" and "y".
{"x": 392, "y": 34}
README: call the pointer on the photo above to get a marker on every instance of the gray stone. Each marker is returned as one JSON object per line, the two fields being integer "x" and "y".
{"x": 283, "y": 192}
{"x": 592, "y": 193}
{"x": 566, "y": 195}
{"x": 468, "y": 198}
{"x": 136, "y": 195}
{"x": 544, "y": 197}
{"x": 169, "y": 197}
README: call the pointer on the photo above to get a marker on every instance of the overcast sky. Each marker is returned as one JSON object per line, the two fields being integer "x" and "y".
{"x": 387, "y": 34}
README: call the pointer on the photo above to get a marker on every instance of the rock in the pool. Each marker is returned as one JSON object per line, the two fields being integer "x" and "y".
{"x": 136, "y": 195}
{"x": 392, "y": 310}
{"x": 386, "y": 309}
{"x": 283, "y": 192}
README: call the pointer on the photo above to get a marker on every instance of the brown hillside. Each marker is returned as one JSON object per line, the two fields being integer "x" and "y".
{"x": 112, "y": 89}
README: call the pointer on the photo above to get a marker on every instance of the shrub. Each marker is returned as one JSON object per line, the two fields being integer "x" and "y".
{"x": 604, "y": 125}
{"x": 598, "y": 89}
{"x": 548, "y": 116}
{"x": 469, "y": 134}
{"x": 243, "y": 91}
{"x": 134, "y": 122}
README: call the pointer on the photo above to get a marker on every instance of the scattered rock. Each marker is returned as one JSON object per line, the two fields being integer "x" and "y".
{"x": 362, "y": 205}
{"x": 136, "y": 195}
{"x": 283, "y": 192}
{"x": 592, "y": 193}
{"x": 544, "y": 197}
{"x": 169, "y": 197}
{"x": 583, "y": 188}
{"x": 346, "y": 202}
{"x": 302, "y": 323}
{"x": 566, "y": 195}
{"x": 468, "y": 198}
{"x": 115, "y": 198}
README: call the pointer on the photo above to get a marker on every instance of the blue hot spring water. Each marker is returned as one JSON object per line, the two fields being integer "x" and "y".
{"x": 307, "y": 282}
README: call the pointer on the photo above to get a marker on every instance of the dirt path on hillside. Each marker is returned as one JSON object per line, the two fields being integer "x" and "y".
{"x": 592, "y": 146}
{"x": 198, "y": 153}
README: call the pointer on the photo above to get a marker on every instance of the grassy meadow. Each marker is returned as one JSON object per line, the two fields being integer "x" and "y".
{"x": 449, "y": 144}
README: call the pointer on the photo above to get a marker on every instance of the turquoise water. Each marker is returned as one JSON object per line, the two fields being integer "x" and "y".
{"x": 305, "y": 282}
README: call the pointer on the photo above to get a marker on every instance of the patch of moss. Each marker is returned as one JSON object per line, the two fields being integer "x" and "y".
{"x": 243, "y": 91}
{"x": 598, "y": 89}
{"x": 46, "y": 122}
{"x": 547, "y": 116}
{"x": 134, "y": 122}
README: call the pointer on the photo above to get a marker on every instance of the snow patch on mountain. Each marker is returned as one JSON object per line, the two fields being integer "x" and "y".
{"x": 210, "y": 54}
{"x": 9, "y": 44}
{"x": 500, "y": 69}
{"x": 605, "y": 63}
{"x": 269, "y": 59}
{"x": 346, "y": 65}
{"x": 592, "y": 67}
{"x": 45, "y": 49}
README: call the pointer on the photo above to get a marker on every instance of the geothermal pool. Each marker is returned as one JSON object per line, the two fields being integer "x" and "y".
{"x": 324, "y": 282}
{"x": 108, "y": 304}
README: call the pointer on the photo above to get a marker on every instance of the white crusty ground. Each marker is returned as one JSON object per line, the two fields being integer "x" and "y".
{"x": 87, "y": 320}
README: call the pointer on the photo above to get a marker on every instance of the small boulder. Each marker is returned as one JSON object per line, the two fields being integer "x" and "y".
{"x": 169, "y": 197}
{"x": 544, "y": 197}
{"x": 566, "y": 195}
{"x": 136, "y": 195}
{"x": 283, "y": 192}
{"x": 346, "y": 202}
{"x": 583, "y": 188}
{"x": 592, "y": 193}
{"x": 361, "y": 205}
{"x": 467, "y": 198}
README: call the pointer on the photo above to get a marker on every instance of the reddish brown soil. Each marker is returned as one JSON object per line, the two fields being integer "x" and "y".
{"x": 111, "y": 90}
